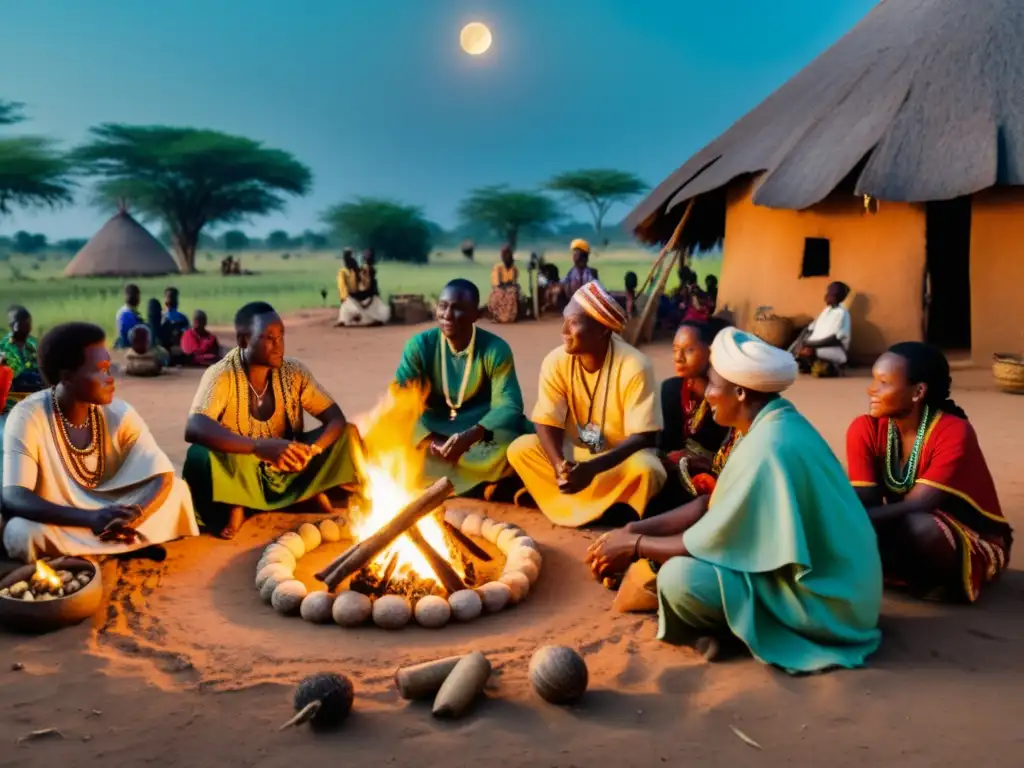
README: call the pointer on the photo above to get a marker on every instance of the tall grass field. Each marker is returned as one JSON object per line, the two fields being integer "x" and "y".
{"x": 289, "y": 283}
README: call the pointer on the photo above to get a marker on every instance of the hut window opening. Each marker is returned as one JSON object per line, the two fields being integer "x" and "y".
{"x": 817, "y": 257}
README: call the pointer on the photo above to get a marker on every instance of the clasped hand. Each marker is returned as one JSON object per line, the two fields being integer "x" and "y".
{"x": 286, "y": 455}
{"x": 451, "y": 449}
{"x": 573, "y": 477}
{"x": 117, "y": 523}
{"x": 612, "y": 553}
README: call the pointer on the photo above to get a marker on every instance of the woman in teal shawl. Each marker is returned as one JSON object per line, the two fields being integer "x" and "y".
{"x": 474, "y": 408}
{"x": 783, "y": 556}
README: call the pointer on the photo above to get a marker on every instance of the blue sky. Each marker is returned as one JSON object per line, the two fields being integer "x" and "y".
{"x": 376, "y": 97}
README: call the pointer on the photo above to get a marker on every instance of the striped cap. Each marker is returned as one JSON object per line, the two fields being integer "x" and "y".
{"x": 599, "y": 304}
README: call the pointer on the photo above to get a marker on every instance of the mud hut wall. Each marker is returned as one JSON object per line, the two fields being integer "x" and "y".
{"x": 881, "y": 256}
{"x": 997, "y": 273}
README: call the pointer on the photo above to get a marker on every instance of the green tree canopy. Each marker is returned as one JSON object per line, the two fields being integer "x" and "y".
{"x": 279, "y": 240}
{"x": 32, "y": 171}
{"x": 395, "y": 231}
{"x": 506, "y": 211}
{"x": 598, "y": 189}
{"x": 235, "y": 240}
{"x": 190, "y": 178}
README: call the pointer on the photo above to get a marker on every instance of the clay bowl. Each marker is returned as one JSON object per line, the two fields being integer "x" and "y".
{"x": 48, "y": 615}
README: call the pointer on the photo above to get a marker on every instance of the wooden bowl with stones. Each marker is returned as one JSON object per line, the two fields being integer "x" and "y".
{"x": 29, "y": 605}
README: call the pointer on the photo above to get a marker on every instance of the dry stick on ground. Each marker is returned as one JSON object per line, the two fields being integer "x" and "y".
{"x": 362, "y": 553}
{"x": 467, "y": 543}
{"x": 637, "y": 330}
{"x": 449, "y": 579}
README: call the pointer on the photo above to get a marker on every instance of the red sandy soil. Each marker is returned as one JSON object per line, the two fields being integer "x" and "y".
{"x": 184, "y": 664}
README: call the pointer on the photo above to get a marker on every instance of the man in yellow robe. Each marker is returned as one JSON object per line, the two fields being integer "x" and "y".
{"x": 597, "y": 416}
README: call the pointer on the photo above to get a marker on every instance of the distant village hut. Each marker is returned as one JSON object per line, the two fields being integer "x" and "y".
{"x": 894, "y": 162}
{"x": 122, "y": 248}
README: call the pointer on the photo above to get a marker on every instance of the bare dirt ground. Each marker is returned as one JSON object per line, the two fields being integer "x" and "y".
{"x": 185, "y": 665}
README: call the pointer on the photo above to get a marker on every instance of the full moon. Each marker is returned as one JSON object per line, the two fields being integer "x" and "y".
{"x": 475, "y": 38}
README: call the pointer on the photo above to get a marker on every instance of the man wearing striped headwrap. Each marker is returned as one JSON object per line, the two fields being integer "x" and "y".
{"x": 597, "y": 417}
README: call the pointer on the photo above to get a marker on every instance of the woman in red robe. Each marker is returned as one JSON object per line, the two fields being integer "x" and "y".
{"x": 198, "y": 345}
{"x": 916, "y": 464}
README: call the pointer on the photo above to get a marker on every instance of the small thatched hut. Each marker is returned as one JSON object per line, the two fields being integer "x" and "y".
{"x": 122, "y": 248}
{"x": 894, "y": 161}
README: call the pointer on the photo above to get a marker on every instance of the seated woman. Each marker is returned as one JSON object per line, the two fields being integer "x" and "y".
{"x": 142, "y": 359}
{"x": 363, "y": 306}
{"x": 503, "y": 303}
{"x": 198, "y": 345}
{"x": 82, "y": 472}
{"x": 691, "y": 433}
{"x": 475, "y": 408}
{"x": 915, "y": 462}
{"x": 248, "y": 449}
{"x": 18, "y": 355}
{"x": 782, "y": 557}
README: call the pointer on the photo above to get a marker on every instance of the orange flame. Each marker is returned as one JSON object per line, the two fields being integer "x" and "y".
{"x": 45, "y": 576}
{"x": 391, "y": 465}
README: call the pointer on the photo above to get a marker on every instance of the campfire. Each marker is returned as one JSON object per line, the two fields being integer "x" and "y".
{"x": 45, "y": 583}
{"x": 410, "y": 552}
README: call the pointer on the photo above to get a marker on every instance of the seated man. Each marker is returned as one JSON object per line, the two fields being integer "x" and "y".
{"x": 174, "y": 325}
{"x": 503, "y": 303}
{"x": 823, "y": 346}
{"x": 199, "y": 346}
{"x": 580, "y": 273}
{"x": 248, "y": 450}
{"x": 18, "y": 353}
{"x": 142, "y": 359}
{"x": 363, "y": 306}
{"x": 128, "y": 316}
{"x": 597, "y": 418}
{"x": 350, "y": 311}
{"x": 783, "y": 556}
{"x": 82, "y": 472}
{"x": 475, "y": 407}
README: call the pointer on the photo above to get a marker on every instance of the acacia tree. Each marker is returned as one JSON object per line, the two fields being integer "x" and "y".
{"x": 395, "y": 231}
{"x": 33, "y": 172}
{"x": 190, "y": 178}
{"x": 507, "y": 211}
{"x": 598, "y": 189}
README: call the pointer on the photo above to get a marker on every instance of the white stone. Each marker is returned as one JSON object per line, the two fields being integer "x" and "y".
{"x": 524, "y": 541}
{"x": 432, "y": 612}
{"x": 391, "y": 612}
{"x": 329, "y": 531}
{"x": 351, "y": 609}
{"x": 471, "y": 525}
{"x": 267, "y": 590}
{"x": 528, "y": 569}
{"x": 310, "y": 536}
{"x": 316, "y": 607}
{"x": 287, "y": 598}
{"x": 518, "y": 583}
{"x": 455, "y": 516}
{"x": 466, "y": 604}
{"x": 495, "y": 595}
{"x": 280, "y": 570}
{"x": 277, "y": 553}
{"x": 294, "y": 543}
{"x": 507, "y": 536}
{"x": 525, "y": 554}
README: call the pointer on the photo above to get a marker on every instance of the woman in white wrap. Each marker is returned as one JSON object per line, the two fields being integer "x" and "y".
{"x": 83, "y": 475}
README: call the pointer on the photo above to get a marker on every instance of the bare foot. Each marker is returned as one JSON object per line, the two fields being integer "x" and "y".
{"x": 235, "y": 522}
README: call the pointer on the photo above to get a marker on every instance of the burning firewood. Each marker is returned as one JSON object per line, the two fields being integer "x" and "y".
{"x": 449, "y": 579}
{"x": 365, "y": 551}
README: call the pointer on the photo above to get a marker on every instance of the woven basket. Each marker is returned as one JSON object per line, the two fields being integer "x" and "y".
{"x": 1008, "y": 372}
{"x": 771, "y": 329}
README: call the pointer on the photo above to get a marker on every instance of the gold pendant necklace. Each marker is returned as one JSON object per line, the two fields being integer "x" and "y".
{"x": 453, "y": 408}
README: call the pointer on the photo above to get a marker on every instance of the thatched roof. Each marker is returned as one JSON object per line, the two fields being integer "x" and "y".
{"x": 922, "y": 100}
{"x": 122, "y": 248}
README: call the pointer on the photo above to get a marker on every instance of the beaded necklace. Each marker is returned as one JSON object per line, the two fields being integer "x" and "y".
{"x": 75, "y": 459}
{"x": 453, "y": 408}
{"x": 898, "y": 479}
{"x": 696, "y": 412}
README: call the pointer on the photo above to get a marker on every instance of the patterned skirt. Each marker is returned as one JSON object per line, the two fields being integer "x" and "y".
{"x": 982, "y": 559}
{"x": 503, "y": 304}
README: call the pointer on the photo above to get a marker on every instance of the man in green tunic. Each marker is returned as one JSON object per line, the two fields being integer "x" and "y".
{"x": 474, "y": 408}
{"x": 248, "y": 450}
{"x": 782, "y": 557}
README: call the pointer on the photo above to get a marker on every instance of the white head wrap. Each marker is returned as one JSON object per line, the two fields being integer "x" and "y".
{"x": 748, "y": 362}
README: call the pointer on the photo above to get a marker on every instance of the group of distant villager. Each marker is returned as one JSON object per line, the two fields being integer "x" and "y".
{"x": 722, "y": 498}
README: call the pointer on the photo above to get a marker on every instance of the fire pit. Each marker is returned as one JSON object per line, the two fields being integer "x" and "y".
{"x": 50, "y": 594}
{"x": 410, "y": 556}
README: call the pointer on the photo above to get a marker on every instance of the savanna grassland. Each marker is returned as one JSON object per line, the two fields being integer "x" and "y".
{"x": 290, "y": 284}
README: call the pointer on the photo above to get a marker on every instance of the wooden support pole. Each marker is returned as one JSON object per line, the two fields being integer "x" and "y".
{"x": 362, "y": 553}
{"x": 638, "y": 330}
{"x": 450, "y": 580}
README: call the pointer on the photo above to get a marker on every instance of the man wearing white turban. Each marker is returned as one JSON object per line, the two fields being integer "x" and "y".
{"x": 597, "y": 417}
{"x": 782, "y": 556}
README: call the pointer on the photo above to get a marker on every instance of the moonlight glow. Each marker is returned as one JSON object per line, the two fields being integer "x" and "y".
{"x": 475, "y": 38}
